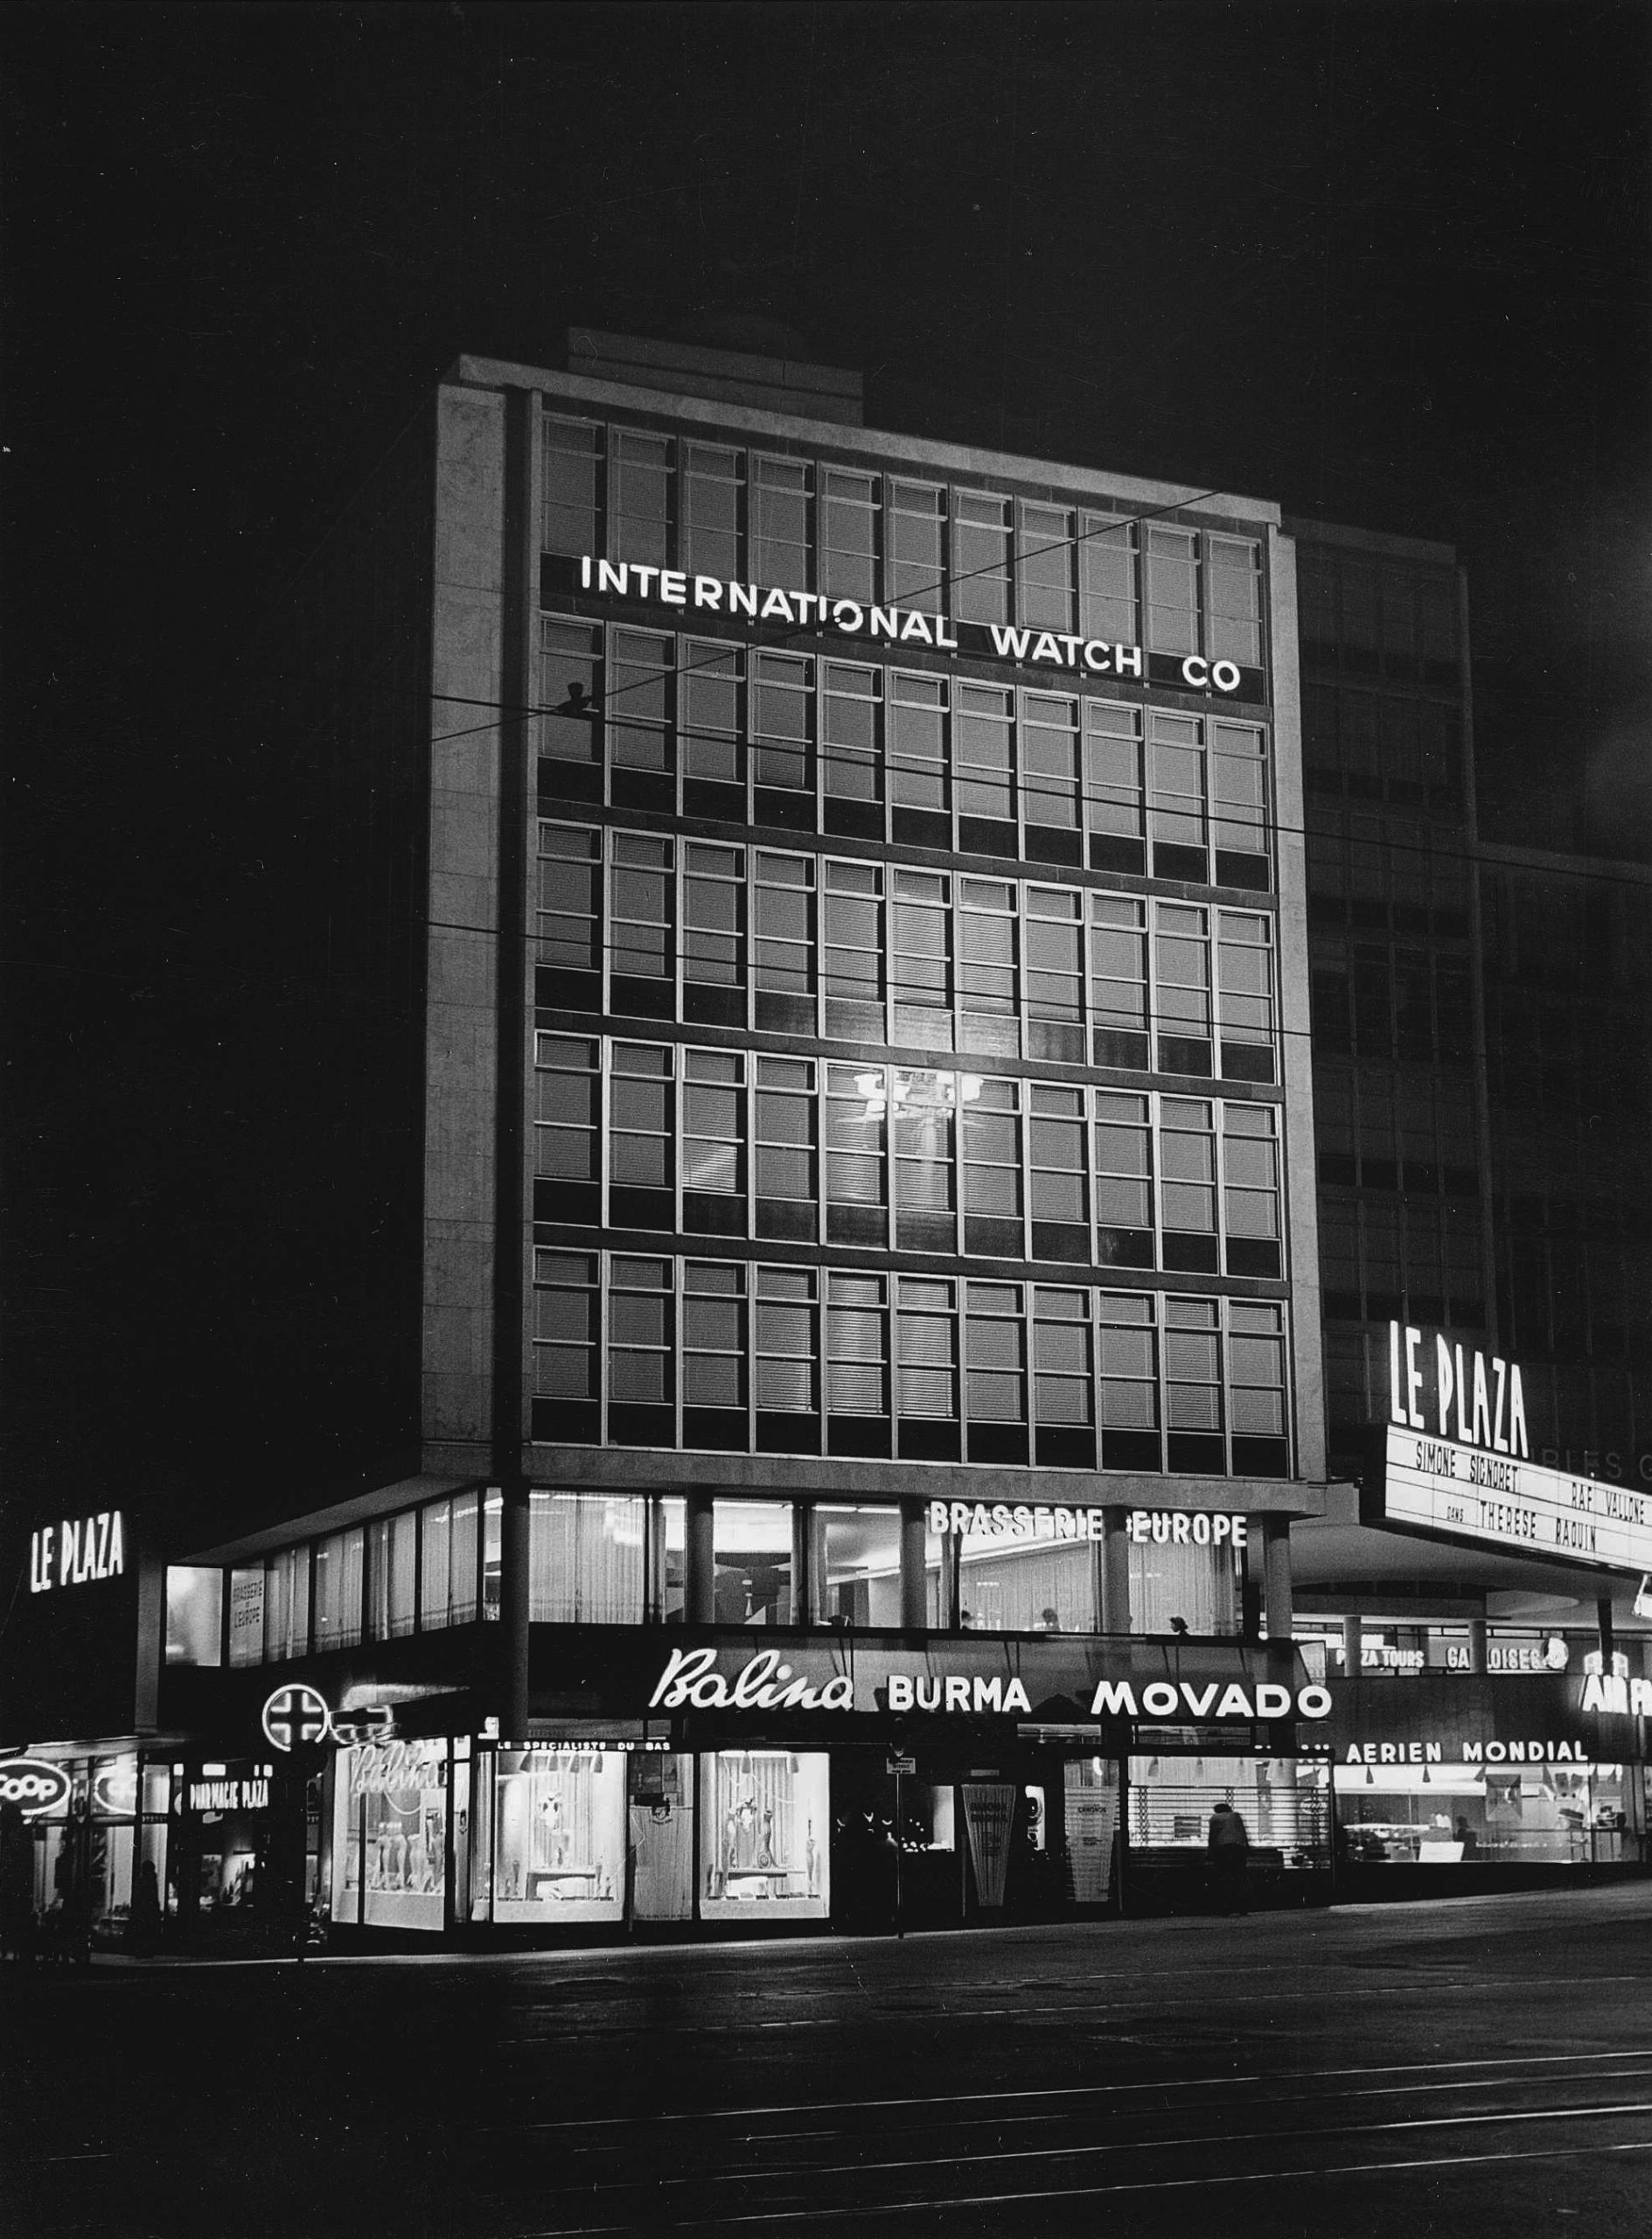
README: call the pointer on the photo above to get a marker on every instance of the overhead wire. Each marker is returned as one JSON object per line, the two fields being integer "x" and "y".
{"x": 598, "y": 708}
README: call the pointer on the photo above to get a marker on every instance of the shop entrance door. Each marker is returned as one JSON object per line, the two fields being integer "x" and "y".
{"x": 662, "y": 1837}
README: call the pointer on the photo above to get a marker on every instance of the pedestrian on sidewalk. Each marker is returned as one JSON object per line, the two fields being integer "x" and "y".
{"x": 1228, "y": 1845}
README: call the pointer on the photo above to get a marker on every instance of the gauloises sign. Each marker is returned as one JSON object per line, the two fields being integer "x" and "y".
{"x": 1098, "y": 660}
{"x": 1453, "y": 1464}
{"x": 1184, "y": 1689}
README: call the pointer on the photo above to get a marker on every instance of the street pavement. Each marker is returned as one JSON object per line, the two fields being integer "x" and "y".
{"x": 1479, "y": 2066}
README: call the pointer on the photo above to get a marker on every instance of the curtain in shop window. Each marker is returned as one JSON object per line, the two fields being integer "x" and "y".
{"x": 437, "y": 1524}
{"x": 1191, "y": 1582}
{"x": 463, "y": 1557}
{"x": 1015, "y": 1589}
{"x": 555, "y": 1839}
{"x": 585, "y": 1560}
{"x": 753, "y": 1837}
{"x": 339, "y": 1566}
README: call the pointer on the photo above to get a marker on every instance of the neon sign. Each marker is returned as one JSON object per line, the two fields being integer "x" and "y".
{"x": 229, "y": 1795}
{"x": 33, "y": 1785}
{"x": 91, "y": 1547}
{"x": 1489, "y": 1400}
{"x": 1181, "y": 1528}
{"x": 691, "y": 1679}
{"x": 1160, "y": 1699}
{"x": 296, "y": 1716}
{"x": 1004, "y": 1521}
{"x": 895, "y": 625}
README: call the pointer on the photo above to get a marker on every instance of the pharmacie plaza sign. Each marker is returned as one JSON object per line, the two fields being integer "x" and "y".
{"x": 1454, "y": 1463}
{"x": 711, "y": 1678}
{"x": 757, "y": 606}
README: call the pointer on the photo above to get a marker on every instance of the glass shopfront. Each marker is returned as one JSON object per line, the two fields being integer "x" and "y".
{"x": 765, "y": 1851}
{"x": 1285, "y": 1802}
{"x": 1452, "y": 1813}
{"x": 559, "y": 1846}
{"x": 103, "y": 1847}
{"x": 390, "y": 1835}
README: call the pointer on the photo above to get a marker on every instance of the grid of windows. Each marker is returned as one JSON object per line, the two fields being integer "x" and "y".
{"x": 713, "y": 1142}
{"x": 661, "y": 1151}
{"x": 825, "y": 745}
{"x": 917, "y": 959}
{"x": 415, "y": 1570}
{"x": 923, "y": 1368}
{"x": 980, "y": 555}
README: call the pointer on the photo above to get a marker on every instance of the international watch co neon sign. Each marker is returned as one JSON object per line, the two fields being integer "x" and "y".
{"x": 903, "y": 626}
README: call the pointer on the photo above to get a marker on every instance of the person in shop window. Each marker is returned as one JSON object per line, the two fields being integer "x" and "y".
{"x": 1228, "y": 1845}
{"x": 1049, "y": 1621}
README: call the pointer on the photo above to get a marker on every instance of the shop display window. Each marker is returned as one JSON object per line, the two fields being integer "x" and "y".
{"x": 754, "y": 1552}
{"x": 1451, "y": 1813}
{"x": 662, "y": 1835}
{"x": 1285, "y": 1802}
{"x": 390, "y": 1835}
{"x": 1175, "y": 1583}
{"x": 559, "y": 1853}
{"x": 855, "y": 1564}
{"x": 1090, "y": 1804}
{"x": 765, "y": 1821}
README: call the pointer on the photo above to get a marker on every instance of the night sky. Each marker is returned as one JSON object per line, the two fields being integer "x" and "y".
{"x": 1388, "y": 265}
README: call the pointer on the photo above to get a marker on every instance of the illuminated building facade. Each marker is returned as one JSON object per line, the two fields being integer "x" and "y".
{"x": 810, "y": 1062}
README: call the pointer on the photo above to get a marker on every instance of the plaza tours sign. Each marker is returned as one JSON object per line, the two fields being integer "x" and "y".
{"x": 1454, "y": 1464}
{"x": 1100, "y": 660}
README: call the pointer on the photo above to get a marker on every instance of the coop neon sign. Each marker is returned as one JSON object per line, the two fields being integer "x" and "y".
{"x": 33, "y": 1785}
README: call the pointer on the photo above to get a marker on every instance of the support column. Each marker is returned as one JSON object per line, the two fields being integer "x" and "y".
{"x": 914, "y": 1583}
{"x": 1352, "y": 1641}
{"x": 1115, "y": 1572}
{"x": 1603, "y": 1618}
{"x": 700, "y": 1602}
{"x": 514, "y": 1605}
{"x": 1477, "y": 1660}
{"x": 1276, "y": 1577}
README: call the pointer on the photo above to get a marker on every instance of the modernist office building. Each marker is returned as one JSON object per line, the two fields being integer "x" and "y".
{"x": 810, "y": 975}
{"x": 1480, "y": 1053}
{"x": 817, "y": 923}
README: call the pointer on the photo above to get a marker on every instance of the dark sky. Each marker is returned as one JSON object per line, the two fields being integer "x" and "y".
{"x": 1389, "y": 264}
